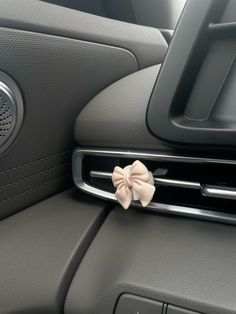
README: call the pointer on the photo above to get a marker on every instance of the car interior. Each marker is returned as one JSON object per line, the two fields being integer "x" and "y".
{"x": 117, "y": 157}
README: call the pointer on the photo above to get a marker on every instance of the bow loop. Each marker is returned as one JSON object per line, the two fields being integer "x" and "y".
{"x": 139, "y": 171}
{"x": 117, "y": 176}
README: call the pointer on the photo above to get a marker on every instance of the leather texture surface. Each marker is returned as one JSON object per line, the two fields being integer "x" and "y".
{"x": 183, "y": 262}
{"x": 57, "y": 77}
{"x": 117, "y": 116}
{"x": 146, "y": 43}
{"x": 41, "y": 248}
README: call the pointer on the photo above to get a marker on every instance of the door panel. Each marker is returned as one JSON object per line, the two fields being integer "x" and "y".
{"x": 57, "y": 76}
{"x": 60, "y": 59}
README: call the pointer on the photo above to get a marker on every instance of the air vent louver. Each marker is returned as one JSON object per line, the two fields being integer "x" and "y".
{"x": 197, "y": 187}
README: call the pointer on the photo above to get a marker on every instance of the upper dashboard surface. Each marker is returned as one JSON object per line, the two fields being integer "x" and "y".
{"x": 146, "y": 43}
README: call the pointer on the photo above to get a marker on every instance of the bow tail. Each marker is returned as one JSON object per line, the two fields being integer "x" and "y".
{"x": 144, "y": 191}
{"x": 124, "y": 195}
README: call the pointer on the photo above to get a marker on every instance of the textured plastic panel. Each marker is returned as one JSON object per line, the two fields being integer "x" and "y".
{"x": 41, "y": 248}
{"x": 187, "y": 263}
{"x": 146, "y": 43}
{"x": 57, "y": 77}
{"x": 116, "y": 117}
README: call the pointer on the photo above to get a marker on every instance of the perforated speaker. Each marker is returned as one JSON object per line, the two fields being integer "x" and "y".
{"x": 11, "y": 111}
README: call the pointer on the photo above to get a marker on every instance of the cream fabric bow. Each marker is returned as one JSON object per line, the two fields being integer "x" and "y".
{"x": 134, "y": 182}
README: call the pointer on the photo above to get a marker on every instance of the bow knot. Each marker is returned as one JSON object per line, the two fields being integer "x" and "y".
{"x": 134, "y": 182}
{"x": 127, "y": 179}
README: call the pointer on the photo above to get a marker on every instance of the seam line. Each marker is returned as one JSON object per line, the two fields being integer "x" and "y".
{"x": 35, "y": 161}
{"x": 31, "y": 189}
{"x": 35, "y": 174}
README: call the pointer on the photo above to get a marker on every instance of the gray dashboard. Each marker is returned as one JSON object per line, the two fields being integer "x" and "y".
{"x": 73, "y": 253}
{"x": 186, "y": 263}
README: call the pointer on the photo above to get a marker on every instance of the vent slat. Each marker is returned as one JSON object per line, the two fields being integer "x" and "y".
{"x": 206, "y": 190}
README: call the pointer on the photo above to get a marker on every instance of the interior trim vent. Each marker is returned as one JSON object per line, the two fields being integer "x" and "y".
{"x": 202, "y": 188}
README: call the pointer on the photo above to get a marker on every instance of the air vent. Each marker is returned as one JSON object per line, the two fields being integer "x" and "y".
{"x": 11, "y": 111}
{"x": 198, "y": 187}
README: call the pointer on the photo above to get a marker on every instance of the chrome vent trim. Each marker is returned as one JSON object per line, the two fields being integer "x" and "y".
{"x": 157, "y": 181}
{"x": 206, "y": 190}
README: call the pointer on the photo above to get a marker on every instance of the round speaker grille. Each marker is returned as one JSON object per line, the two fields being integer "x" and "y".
{"x": 11, "y": 111}
{"x": 7, "y": 113}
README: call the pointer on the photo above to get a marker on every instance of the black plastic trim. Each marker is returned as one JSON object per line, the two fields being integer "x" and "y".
{"x": 165, "y": 114}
